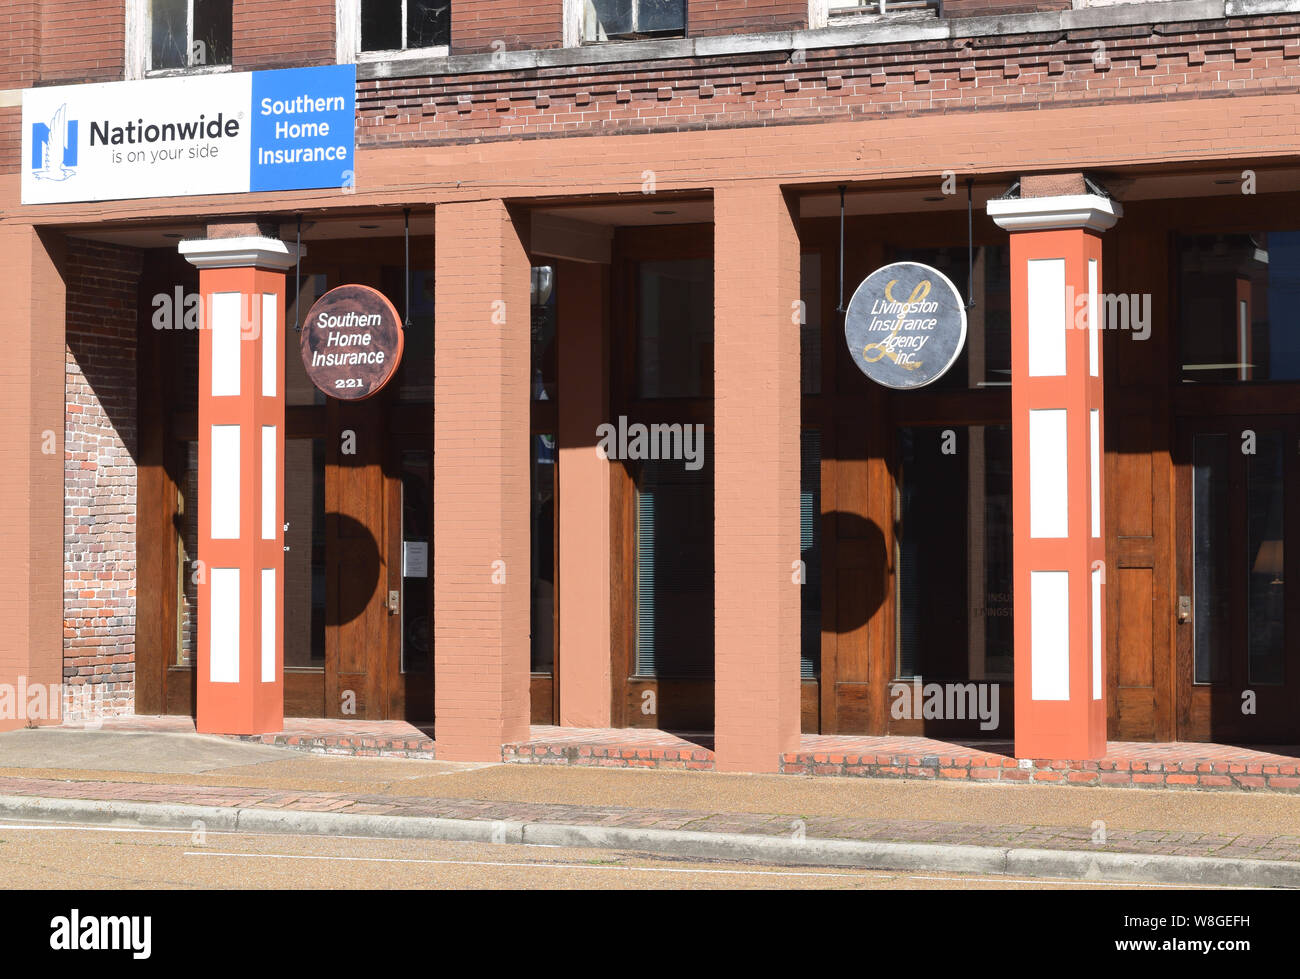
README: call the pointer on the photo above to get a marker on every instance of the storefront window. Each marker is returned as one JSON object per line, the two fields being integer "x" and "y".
{"x": 675, "y": 329}
{"x": 1266, "y": 605}
{"x": 674, "y": 568}
{"x": 298, "y": 388}
{"x": 986, "y": 360}
{"x": 1239, "y": 307}
{"x": 810, "y": 332}
{"x": 954, "y": 553}
{"x": 810, "y": 552}
{"x": 543, "y": 550}
{"x": 545, "y": 367}
{"x": 414, "y": 380}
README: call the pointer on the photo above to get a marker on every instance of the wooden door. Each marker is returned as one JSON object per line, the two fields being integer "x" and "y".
{"x": 1238, "y": 613}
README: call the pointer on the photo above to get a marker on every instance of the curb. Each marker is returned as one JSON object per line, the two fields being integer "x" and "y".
{"x": 1071, "y": 865}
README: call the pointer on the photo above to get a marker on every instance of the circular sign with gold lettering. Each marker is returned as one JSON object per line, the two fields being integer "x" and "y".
{"x": 906, "y": 325}
{"x": 352, "y": 342}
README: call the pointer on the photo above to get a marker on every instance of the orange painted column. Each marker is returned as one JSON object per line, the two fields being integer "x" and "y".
{"x": 1057, "y": 420}
{"x": 481, "y": 481}
{"x": 32, "y": 374}
{"x": 756, "y": 413}
{"x": 241, "y": 483}
{"x": 583, "y": 670}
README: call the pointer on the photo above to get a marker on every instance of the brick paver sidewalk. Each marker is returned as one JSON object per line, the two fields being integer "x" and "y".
{"x": 1261, "y": 847}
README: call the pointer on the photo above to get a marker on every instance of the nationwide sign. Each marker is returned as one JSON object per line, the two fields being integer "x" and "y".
{"x": 229, "y": 133}
{"x": 906, "y": 325}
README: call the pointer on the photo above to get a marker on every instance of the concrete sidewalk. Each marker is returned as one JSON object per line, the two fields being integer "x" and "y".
{"x": 173, "y": 779}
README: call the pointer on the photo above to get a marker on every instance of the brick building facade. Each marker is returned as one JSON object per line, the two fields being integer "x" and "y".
{"x": 675, "y": 180}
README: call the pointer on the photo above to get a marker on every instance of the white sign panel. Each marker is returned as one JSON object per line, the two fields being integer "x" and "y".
{"x": 200, "y": 134}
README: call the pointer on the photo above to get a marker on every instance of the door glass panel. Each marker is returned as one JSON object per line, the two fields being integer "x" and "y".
{"x": 674, "y": 568}
{"x": 417, "y": 499}
{"x": 304, "y": 554}
{"x": 675, "y": 329}
{"x": 1238, "y": 299}
{"x": 543, "y": 547}
{"x": 954, "y": 552}
{"x": 1210, "y": 534}
{"x": 188, "y": 552}
{"x": 1265, "y": 615}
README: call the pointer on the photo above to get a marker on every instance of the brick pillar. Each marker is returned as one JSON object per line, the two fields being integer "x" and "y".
{"x": 481, "y": 481}
{"x": 31, "y": 458}
{"x": 756, "y": 477}
{"x": 1057, "y": 452}
{"x": 240, "y": 666}
{"x": 584, "y": 496}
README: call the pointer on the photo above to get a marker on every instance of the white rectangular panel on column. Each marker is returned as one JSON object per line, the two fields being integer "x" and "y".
{"x": 1046, "y": 294}
{"x": 223, "y": 503}
{"x": 1096, "y": 634}
{"x": 1049, "y": 627}
{"x": 268, "y": 625}
{"x": 1094, "y": 336}
{"x": 270, "y": 486}
{"x": 1049, "y": 494}
{"x": 270, "y": 345}
{"x": 226, "y": 337}
{"x": 223, "y": 625}
{"x": 1094, "y": 439}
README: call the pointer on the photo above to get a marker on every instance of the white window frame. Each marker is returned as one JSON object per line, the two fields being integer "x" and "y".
{"x": 347, "y": 17}
{"x": 820, "y": 12}
{"x": 574, "y": 13}
{"x": 139, "y": 44}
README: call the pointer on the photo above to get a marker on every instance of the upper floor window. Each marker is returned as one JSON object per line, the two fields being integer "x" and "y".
{"x": 618, "y": 20}
{"x": 404, "y": 25}
{"x": 370, "y": 30}
{"x": 824, "y": 13}
{"x": 178, "y": 35}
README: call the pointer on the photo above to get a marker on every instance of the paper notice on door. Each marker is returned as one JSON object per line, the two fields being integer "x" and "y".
{"x": 415, "y": 559}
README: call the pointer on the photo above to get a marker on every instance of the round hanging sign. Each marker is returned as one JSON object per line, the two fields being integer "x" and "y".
{"x": 352, "y": 342}
{"x": 906, "y": 325}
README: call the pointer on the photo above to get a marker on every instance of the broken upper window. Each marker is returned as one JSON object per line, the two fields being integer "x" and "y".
{"x": 619, "y": 20}
{"x": 189, "y": 34}
{"x": 405, "y": 25}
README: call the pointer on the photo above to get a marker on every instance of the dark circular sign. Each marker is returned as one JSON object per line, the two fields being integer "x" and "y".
{"x": 352, "y": 342}
{"x": 906, "y": 325}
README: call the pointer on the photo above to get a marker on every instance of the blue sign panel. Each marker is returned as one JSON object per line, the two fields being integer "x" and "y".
{"x": 304, "y": 123}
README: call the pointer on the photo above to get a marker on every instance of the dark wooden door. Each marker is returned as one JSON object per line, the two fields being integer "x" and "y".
{"x": 1238, "y": 611}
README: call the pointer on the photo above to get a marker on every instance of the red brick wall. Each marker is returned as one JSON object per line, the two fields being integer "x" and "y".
{"x": 476, "y": 24}
{"x": 744, "y": 16}
{"x": 99, "y": 472}
{"x": 1191, "y": 61}
{"x": 274, "y": 34}
{"x": 20, "y": 38}
{"x": 83, "y": 41}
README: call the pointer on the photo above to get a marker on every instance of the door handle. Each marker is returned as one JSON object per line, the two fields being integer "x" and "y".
{"x": 394, "y": 603}
{"x": 1184, "y": 609}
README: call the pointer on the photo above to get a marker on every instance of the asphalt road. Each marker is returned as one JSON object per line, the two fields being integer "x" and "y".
{"x": 39, "y": 855}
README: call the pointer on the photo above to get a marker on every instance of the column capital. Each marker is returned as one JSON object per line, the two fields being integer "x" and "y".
{"x": 242, "y": 252}
{"x": 1090, "y": 212}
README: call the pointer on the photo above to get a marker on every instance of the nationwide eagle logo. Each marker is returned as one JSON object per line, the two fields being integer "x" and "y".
{"x": 54, "y": 147}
